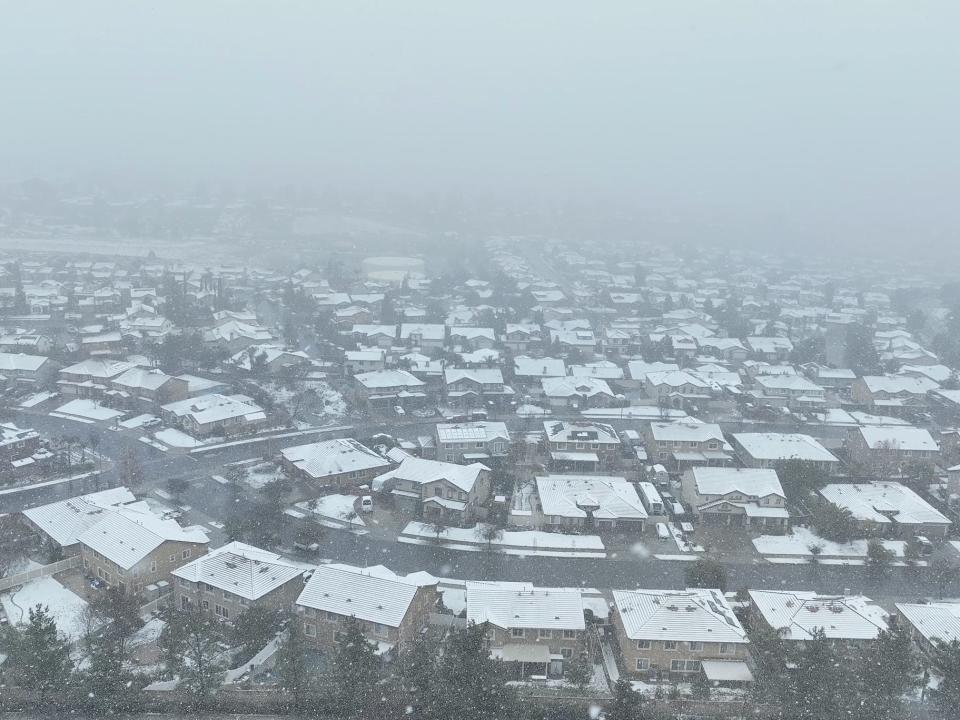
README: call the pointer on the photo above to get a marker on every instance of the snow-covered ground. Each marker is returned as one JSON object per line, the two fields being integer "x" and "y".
{"x": 66, "y": 607}
{"x": 335, "y": 511}
{"x": 262, "y": 474}
{"x": 176, "y": 438}
{"x": 798, "y": 542}
{"x": 88, "y": 409}
{"x": 682, "y": 545}
{"x": 512, "y": 542}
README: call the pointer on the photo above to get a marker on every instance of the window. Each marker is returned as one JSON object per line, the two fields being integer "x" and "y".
{"x": 669, "y": 644}
{"x": 643, "y": 644}
{"x": 184, "y": 602}
{"x": 244, "y": 601}
{"x": 309, "y": 629}
{"x": 677, "y": 665}
{"x": 695, "y": 645}
{"x": 380, "y": 629}
{"x": 516, "y": 632}
{"x": 693, "y": 665}
{"x": 545, "y": 633}
{"x": 185, "y": 554}
{"x": 569, "y": 634}
{"x": 726, "y": 648}
{"x": 566, "y": 653}
{"x": 173, "y": 558}
{"x": 643, "y": 663}
{"x": 206, "y": 604}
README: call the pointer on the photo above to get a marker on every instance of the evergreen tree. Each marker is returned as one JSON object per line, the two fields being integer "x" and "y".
{"x": 117, "y": 618}
{"x": 253, "y": 629}
{"x": 415, "y": 683}
{"x": 886, "y": 673}
{"x": 800, "y": 478}
{"x": 473, "y": 685}
{"x": 878, "y": 560}
{"x": 946, "y": 661}
{"x": 700, "y": 687}
{"x": 39, "y": 653}
{"x": 578, "y": 671}
{"x": 194, "y": 638}
{"x": 706, "y": 573}
{"x": 291, "y": 663}
{"x": 820, "y": 686}
{"x": 627, "y": 703}
{"x": 355, "y": 673}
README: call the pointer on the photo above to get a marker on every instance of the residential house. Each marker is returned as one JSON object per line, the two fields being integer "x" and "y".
{"x": 341, "y": 462}
{"x": 473, "y": 338}
{"x": 520, "y": 337}
{"x": 577, "y": 392}
{"x": 748, "y": 497}
{"x": 17, "y": 443}
{"x": 581, "y": 446}
{"x": 887, "y": 449}
{"x": 366, "y": 360}
{"x": 25, "y": 368}
{"x": 791, "y": 391}
{"x": 91, "y": 378}
{"x": 674, "y": 387}
{"x": 59, "y": 524}
{"x": 230, "y": 580}
{"x": 30, "y": 343}
{"x": 472, "y": 441}
{"x": 668, "y": 634}
{"x": 215, "y": 414}
{"x": 892, "y": 392}
{"x": 770, "y": 349}
{"x": 588, "y": 503}
{"x": 888, "y": 508}
{"x": 384, "y": 389}
{"x": 930, "y": 624}
{"x": 148, "y": 387}
{"x": 425, "y": 336}
{"x": 131, "y": 547}
{"x": 768, "y": 450}
{"x": 436, "y": 489}
{"x": 271, "y": 359}
{"x": 684, "y": 443}
{"x": 729, "y": 350}
{"x": 382, "y": 336}
{"x": 391, "y": 610}
{"x": 850, "y": 620}
{"x": 534, "y": 630}
{"x": 467, "y": 388}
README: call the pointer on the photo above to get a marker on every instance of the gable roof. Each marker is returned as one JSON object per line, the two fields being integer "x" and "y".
{"x": 333, "y": 457}
{"x": 797, "y": 613}
{"x": 521, "y": 605}
{"x": 65, "y": 520}
{"x": 241, "y": 569}
{"x": 695, "y": 614}
{"x": 129, "y": 533}
{"x": 610, "y": 498}
{"x": 754, "y": 482}
{"x": 421, "y": 471}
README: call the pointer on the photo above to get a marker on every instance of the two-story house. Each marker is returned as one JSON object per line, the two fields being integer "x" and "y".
{"x": 235, "y": 577}
{"x": 535, "y": 630}
{"x": 385, "y": 389}
{"x": 215, "y": 414}
{"x": 884, "y": 449}
{"x": 577, "y": 392}
{"x": 769, "y": 450}
{"x": 682, "y": 444}
{"x": 436, "y": 489}
{"x": 340, "y": 462}
{"x": 668, "y": 634}
{"x": 588, "y": 503}
{"x": 519, "y": 337}
{"x": 391, "y": 610}
{"x": 850, "y": 620}
{"x": 741, "y": 496}
{"x": 581, "y": 446}
{"x": 471, "y": 442}
{"x": 469, "y": 388}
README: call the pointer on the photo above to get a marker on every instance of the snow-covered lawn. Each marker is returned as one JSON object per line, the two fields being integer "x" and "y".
{"x": 66, "y": 607}
{"x": 798, "y": 542}
{"x": 335, "y": 511}
{"x": 138, "y": 421}
{"x": 176, "y": 438}
{"x": 512, "y": 542}
{"x": 88, "y": 409}
{"x": 262, "y": 474}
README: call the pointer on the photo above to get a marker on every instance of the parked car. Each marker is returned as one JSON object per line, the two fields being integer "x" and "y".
{"x": 662, "y": 531}
{"x": 366, "y": 503}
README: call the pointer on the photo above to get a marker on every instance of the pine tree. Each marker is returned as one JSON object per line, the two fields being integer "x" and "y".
{"x": 886, "y": 673}
{"x": 473, "y": 685}
{"x": 820, "y": 686}
{"x": 414, "y": 683}
{"x": 199, "y": 638}
{"x": 109, "y": 685}
{"x": 706, "y": 573}
{"x": 356, "y": 672}
{"x": 947, "y": 663}
{"x": 578, "y": 672}
{"x": 291, "y": 664}
{"x": 700, "y": 687}
{"x": 627, "y": 703}
{"x": 39, "y": 653}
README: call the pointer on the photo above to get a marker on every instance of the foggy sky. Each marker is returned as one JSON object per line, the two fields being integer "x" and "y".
{"x": 797, "y": 119}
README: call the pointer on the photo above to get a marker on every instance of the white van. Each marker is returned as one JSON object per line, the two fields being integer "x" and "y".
{"x": 366, "y": 503}
{"x": 662, "y": 531}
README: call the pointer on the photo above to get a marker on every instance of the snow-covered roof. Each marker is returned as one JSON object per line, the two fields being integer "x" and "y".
{"x": 695, "y": 614}
{"x": 575, "y": 386}
{"x": 379, "y": 379}
{"x": 580, "y": 431}
{"x": 783, "y": 446}
{"x": 142, "y": 379}
{"x": 241, "y": 569}
{"x": 676, "y": 378}
{"x": 897, "y": 384}
{"x": 216, "y": 408}
{"x": 65, "y": 520}
{"x": 333, "y": 457}
{"x": 98, "y": 368}
{"x": 898, "y": 438}
{"x": 797, "y": 613}
{"x": 364, "y": 593}
{"x": 521, "y": 605}
{"x": 19, "y": 362}
{"x": 935, "y": 621}
{"x": 603, "y": 369}
{"x": 687, "y": 431}
{"x": 524, "y": 366}
{"x": 426, "y": 331}
{"x": 572, "y": 496}
{"x": 640, "y": 369}
{"x": 753, "y": 482}
{"x": 421, "y": 471}
{"x": 471, "y": 432}
{"x": 128, "y": 534}
{"x": 796, "y": 383}
{"x": 483, "y": 376}
{"x": 883, "y": 502}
